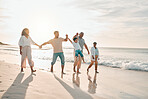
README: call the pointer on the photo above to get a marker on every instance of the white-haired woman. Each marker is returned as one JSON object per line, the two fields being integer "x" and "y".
{"x": 25, "y": 49}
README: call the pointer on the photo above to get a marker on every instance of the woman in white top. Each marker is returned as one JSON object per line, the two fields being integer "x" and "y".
{"x": 94, "y": 57}
{"x": 25, "y": 49}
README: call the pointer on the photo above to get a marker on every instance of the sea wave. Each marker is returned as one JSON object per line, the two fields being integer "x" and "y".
{"x": 128, "y": 65}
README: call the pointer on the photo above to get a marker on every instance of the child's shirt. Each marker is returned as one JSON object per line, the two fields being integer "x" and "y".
{"x": 76, "y": 46}
{"x": 25, "y": 41}
{"x": 94, "y": 51}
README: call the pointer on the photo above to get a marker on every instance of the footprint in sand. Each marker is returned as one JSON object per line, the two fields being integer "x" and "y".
{"x": 0, "y": 81}
{"x": 68, "y": 70}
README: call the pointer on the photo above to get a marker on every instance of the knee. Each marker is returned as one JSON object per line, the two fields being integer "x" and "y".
{"x": 53, "y": 62}
{"x": 76, "y": 54}
{"x": 31, "y": 63}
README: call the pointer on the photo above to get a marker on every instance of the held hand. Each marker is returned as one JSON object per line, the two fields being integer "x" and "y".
{"x": 40, "y": 46}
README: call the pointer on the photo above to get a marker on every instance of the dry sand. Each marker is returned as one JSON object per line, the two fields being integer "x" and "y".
{"x": 110, "y": 83}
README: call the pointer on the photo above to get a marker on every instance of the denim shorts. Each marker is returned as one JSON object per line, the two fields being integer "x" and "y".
{"x": 77, "y": 52}
{"x": 55, "y": 55}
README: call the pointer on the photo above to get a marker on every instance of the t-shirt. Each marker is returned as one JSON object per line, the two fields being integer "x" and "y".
{"x": 25, "y": 41}
{"x": 76, "y": 46}
{"x": 81, "y": 42}
{"x": 56, "y": 44}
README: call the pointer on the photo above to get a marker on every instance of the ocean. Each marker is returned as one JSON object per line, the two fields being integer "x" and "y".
{"x": 123, "y": 58}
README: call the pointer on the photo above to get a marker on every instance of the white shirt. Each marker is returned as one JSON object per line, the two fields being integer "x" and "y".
{"x": 76, "y": 46}
{"x": 94, "y": 51}
{"x": 25, "y": 41}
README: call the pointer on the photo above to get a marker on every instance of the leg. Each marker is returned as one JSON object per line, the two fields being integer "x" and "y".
{"x": 29, "y": 56}
{"x": 75, "y": 64}
{"x": 82, "y": 56}
{"x": 77, "y": 58}
{"x": 83, "y": 60}
{"x": 79, "y": 64}
{"x": 23, "y": 62}
{"x": 23, "y": 58}
{"x": 92, "y": 62}
{"x": 62, "y": 61}
{"x": 53, "y": 61}
{"x": 96, "y": 63}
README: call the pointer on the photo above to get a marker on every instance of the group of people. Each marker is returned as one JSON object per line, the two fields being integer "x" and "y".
{"x": 78, "y": 42}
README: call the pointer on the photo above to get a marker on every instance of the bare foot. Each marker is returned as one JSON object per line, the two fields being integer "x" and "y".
{"x": 97, "y": 72}
{"x": 78, "y": 72}
{"x": 84, "y": 62}
{"x": 63, "y": 73}
{"x": 33, "y": 70}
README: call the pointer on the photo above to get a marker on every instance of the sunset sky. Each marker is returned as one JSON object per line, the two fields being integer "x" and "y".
{"x": 111, "y": 23}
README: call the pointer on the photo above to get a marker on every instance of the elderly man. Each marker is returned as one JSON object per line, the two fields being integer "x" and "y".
{"x": 79, "y": 60}
{"x": 56, "y": 43}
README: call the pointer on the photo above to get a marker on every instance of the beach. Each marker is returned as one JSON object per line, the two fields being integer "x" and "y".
{"x": 42, "y": 84}
{"x": 51, "y": 34}
{"x": 110, "y": 83}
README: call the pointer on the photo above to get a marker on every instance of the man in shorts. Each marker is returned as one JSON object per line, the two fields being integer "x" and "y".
{"x": 56, "y": 43}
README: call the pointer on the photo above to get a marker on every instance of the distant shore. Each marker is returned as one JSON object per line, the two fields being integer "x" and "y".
{"x": 3, "y": 43}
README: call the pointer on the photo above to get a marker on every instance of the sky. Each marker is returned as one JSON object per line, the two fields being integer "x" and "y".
{"x": 111, "y": 23}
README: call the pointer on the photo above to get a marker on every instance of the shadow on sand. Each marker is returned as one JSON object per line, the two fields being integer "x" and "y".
{"x": 18, "y": 89}
{"x": 92, "y": 86}
{"x": 75, "y": 92}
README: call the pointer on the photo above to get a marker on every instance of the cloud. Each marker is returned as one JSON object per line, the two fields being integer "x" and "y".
{"x": 127, "y": 19}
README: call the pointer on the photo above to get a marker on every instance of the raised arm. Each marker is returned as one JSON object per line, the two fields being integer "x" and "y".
{"x": 69, "y": 40}
{"x": 76, "y": 36}
{"x": 66, "y": 38}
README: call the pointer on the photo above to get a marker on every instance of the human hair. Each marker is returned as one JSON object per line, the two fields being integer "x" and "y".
{"x": 94, "y": 42}
{"x": 74, "y": 39}
{"x": 24, "y": 32}
{"x": 56, "y": 32}
{"x": 81, "y": 32}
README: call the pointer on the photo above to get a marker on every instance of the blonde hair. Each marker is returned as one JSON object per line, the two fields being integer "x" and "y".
{"x": 24, "y": 32}
{"x": 56, "y": 32}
